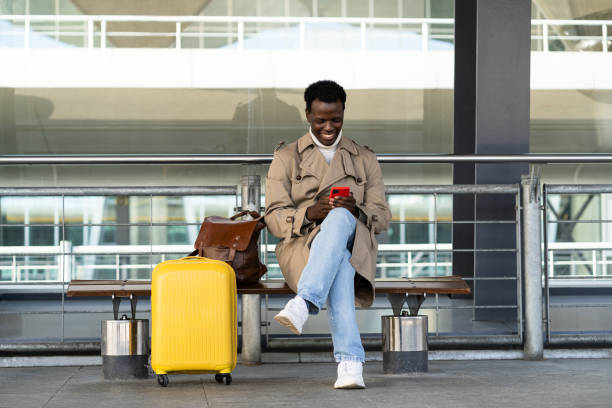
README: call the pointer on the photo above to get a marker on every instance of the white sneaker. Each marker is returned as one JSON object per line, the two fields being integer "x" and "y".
{"x": 294, "y": 315}
{"x": 350, "y": 375}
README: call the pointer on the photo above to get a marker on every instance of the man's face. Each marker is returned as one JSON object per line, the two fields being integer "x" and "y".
{"x": 326, "y": 120}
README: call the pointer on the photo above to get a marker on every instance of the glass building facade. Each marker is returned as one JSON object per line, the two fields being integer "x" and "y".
{"x": 227, "y": 77}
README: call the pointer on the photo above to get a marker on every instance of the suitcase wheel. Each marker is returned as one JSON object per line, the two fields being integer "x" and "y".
{"x": 220, "y": 377}
{"x": 163, "y": 380}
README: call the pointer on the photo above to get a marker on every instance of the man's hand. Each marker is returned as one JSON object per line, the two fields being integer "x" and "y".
{"x": 346, "y": 202}
{"x": 319, "y": 210}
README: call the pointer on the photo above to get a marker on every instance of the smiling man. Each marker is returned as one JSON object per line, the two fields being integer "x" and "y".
{"x": 327, "y": 249}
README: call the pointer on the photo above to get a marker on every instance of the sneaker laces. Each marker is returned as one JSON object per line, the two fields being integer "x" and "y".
{"x": 349, "y": 367}
{"x": 297, "y": 305}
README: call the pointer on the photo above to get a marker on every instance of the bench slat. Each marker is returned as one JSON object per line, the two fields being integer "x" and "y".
{"x": 446, "y": 285}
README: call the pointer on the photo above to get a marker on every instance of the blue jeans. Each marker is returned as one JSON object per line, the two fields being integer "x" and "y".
{"x": 329, "y": 275}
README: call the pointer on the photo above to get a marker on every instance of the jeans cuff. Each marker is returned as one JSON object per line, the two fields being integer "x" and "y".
{"x": 348, "y": 357}
{"x": 313, "y": 305}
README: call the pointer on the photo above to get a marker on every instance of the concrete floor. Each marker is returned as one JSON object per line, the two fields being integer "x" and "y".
{"x": 495, "y": 383}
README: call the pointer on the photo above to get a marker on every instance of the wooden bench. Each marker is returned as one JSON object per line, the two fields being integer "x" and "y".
{"x": 399, "y": 291}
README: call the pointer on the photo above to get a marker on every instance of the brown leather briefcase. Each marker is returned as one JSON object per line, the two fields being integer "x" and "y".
{"x": 235, "y": 242}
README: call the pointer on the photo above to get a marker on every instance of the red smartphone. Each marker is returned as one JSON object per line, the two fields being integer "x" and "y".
{"x": 339, "y": 192}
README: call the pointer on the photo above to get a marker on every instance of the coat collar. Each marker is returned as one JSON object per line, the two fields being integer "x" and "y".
{"x": 347, "y": 144}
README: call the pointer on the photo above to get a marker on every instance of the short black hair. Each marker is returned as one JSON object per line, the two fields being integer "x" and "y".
{"x": 325, "y": 91}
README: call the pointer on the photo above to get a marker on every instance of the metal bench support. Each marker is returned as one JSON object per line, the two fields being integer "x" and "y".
{"x": 534, "y": 337}
{"x": 117, "y": 302}
{"x": 251, "y": 304}
{"x": 412, "y": 301}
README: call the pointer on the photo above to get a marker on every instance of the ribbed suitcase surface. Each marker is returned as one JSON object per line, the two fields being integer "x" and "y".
{"x": 194, "y": 318}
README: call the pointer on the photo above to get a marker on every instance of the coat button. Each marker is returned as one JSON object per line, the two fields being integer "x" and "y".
{"x": 359, "y": 180}
{"x": 298, "y": 177}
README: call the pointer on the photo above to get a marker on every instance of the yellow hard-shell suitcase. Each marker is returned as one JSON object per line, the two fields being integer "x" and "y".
{"x": 194, "y": 318}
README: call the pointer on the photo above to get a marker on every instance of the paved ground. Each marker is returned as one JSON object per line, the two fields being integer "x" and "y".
{"x": 482, "y": 384}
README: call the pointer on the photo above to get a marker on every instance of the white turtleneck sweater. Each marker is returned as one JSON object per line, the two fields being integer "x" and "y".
{"x": 327, "y": 151}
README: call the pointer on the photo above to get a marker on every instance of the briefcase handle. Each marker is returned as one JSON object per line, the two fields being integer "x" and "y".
{"x": 253, "y": 214}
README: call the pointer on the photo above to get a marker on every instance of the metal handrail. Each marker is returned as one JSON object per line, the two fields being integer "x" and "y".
{"x": 578, "y": 188}
{"x": 261, "y": 19}
{"x": 364, "y": 22}
{"x": 228, "y": 19}
{"x": 267, "y": 158}
{"x": 175, "y": 249}
{"x": 120, "y": 191}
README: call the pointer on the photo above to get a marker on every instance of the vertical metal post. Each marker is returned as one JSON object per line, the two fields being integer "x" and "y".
{"x": 534, "y": 342}
{"x": 56, "y": 225}
{"x": 302, "y": 36}
{"x": 604, "y": 38}
{"x": 475, "y": 254}
{"x": 26, "y": 34}
{"x": 178, "y": 36}
{"x": 251, "y": 304}
{"x": 90, "y": 33}
{"x": 26, "y": 228}
{"x": 363, "y": 36}
{"x": 241, "y": 35}
{"x": 545, "y": 255}
{"x": 435, "y": 234}
{"x": 519, "y": 268}
{"x": 66, "y": 271}
{"x": 63, "y": 245}
{"x": 14, "y": 274}
{"x": 410, "y": 273}
{"x": 103, "y": 34}
{"x": 151, "y": 266}
{"x": 65, "y": 262}
{"x": 57, "y": 24}
{"x": 424, "y": 37}
{"x": 545, "y": 37}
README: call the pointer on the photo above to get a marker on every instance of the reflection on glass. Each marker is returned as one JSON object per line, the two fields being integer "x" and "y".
{"x": 571, "y": 121}
{"x": 54, "y": 33}
{"x": 572, "y": 37}
{"x": 112, "y": 267}
{"x": 124, "y": 121}
{"x": 579, "y": 231}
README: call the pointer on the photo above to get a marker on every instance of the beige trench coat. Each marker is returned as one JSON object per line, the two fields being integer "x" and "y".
{"x": 298, "y": 176}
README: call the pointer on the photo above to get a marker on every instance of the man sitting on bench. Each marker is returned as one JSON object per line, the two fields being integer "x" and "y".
{"x": 327, "y": 250}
